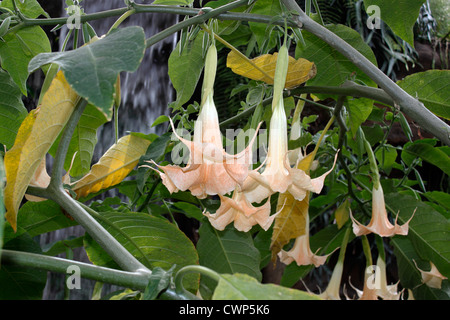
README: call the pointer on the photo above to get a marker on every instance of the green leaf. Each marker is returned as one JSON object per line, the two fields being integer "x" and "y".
{"x": 386, "y": 156}
{"x": 18, "y": 282}
{"x": 400, "y": 15}
{"x": 159, "y": 281}
{"x": 185, "y": 69}
{"x": 229, "y": 251}
{"x": 427, "y": 152}
{"x": 92, "y": 70}
{"x": 333, "y": 69}
{"x": 18, "y": 50}
{"x": 2, "y": 206}
{"x": 432, "y": 88}
{"x": 359, "y": 110}
{"x": 42, "y": 217}
{"x": 153, "y": 241}
{"x": 260, "y": 30}
{"x": 83, "y": 142}
{"x": 429, "y": 231}
{"x": 244, "y": 287}
{"x": 12, "y": 110}
{"x": 29, "y": 8}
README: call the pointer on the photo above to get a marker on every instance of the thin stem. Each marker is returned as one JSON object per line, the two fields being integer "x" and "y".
{"x": 178, "y": 280}
{"x": 58, "y": 167}
{"x": 121, "y": 19}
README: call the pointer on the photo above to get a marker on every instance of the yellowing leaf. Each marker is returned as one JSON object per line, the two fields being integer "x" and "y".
{"x": 342, "y": 213}
{"x": 35, "y": 137}
{"x": 262, "y": 68}
{"x": 113, "y": 166}
{"x": 290, "y": 222}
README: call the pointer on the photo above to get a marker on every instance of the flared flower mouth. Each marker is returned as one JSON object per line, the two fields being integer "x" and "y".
{"x": 239, "y": 210}
{"x": 301, "y": 253}
{"x": 379, "y": 223}
{"x": 210, "y": 170}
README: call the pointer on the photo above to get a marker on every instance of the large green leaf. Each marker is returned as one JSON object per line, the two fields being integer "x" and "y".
{"x": 243, "y": 287}
{"x": 12, "y": 110}
{"x": 153, "y": 241}
{"x": 429, "y": 153}
{"x": 17, "y": 51}
{"x": 19, "y": 282}
{"x": 333, "y": 69}
{"x": 228, "y": 251}
{"x": 185, "y": 69}
{"x": 92, "y": 70}
{"x": 29, "y": 8}
{"x": 359, "y": 110}
{"x": 82, "y": 144}
{"x": 429, "y": 231}
{"x": 42, "y": 217}
{"x": 400, "y": 15}
{"x": 432, "y": 88}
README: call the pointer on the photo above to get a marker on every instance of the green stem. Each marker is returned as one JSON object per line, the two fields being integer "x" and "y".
{"x": 58, "y": 166}
{"x": 178, "y": 280}
{"x": 133, "y": 280}
{"x": 366, "y": 250}
{"x": 121, "y": 19}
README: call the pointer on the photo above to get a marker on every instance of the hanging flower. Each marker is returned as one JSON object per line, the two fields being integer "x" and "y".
{"x": 385, "y": 291}
{"x": 432, "y": 278}
{"x": 333, "y": 288}
{"x": 278, "y": 175}
{"x": 379, "y": 222}
{"x": 210, "y": 170}
{"x": 239, "y": 210}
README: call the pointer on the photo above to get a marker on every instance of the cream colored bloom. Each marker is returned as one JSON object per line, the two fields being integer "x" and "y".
{"x": 239, "y": 210}
{"x": 210, "y": 170}
{"x": 432, "y": 278}
{"x": 379, "y": 222}
{"x": 332, "y": 291}
{"x": 301, "y": 253}
{"x": 278, "y": 175}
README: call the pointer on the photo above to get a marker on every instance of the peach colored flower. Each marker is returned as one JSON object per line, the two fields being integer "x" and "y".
{"x": 278, "y": 175}
{"x": 379, "y": 222}
{"x": 432, "y": 278}
{"x": 210, "y": 170}
{"x": 301, "y": 253}
{"x": 239, "y": 210}
{"x": 333, "y": 288}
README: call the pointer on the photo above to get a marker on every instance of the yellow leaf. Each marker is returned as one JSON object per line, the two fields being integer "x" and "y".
{"x": 262, "y": 68}
{"x": 113, "y": 166}
{"x": 291, "y": 221}
{"x": 36, "y": 135}
{"x": 342, "y": 213}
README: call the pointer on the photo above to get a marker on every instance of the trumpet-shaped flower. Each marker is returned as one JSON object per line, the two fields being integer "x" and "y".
{"x": 239, "y": 210}
{"x": 278, "y": 175}
{"x": 432, "y": 278}
{"x": 379, "y": 222}
{"x": 375, "y": 284}
{"x": 333, "y": 288}
{"x": 210, "y": 170}
{"x": 301, "y": 253}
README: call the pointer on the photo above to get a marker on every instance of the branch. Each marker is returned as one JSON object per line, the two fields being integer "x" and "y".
{"x": 409, "y": 105}
{"x": 134, "y": 280}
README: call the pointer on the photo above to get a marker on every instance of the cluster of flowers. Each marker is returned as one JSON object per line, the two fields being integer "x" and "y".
{"x": 212, "y": 171}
